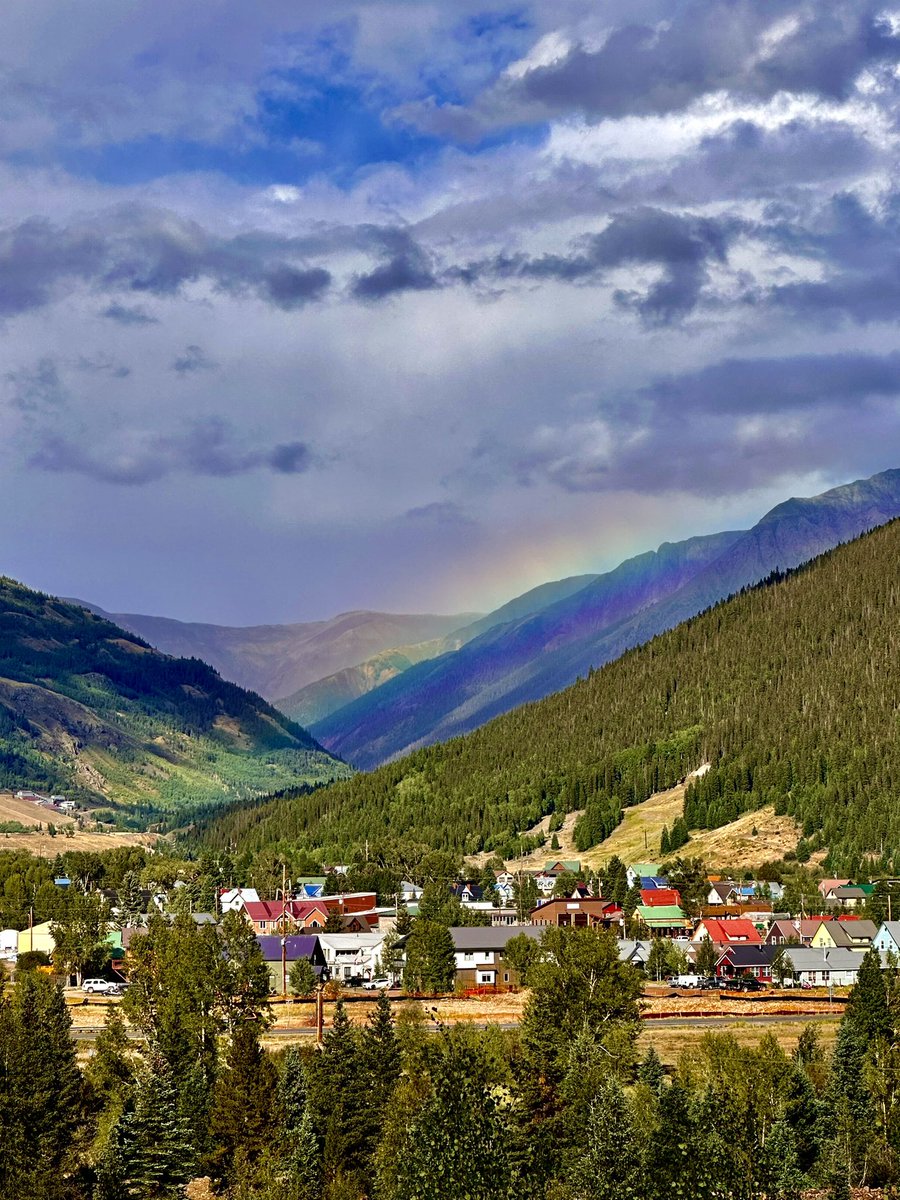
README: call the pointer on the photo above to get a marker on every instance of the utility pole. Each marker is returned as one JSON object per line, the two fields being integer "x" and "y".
{"x": 284, "y": 966}
{"x": 320, "y": 1013}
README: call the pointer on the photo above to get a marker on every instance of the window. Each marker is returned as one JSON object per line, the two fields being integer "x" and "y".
{"x": 506, "y": 976}
{"x": 468, "y": 956}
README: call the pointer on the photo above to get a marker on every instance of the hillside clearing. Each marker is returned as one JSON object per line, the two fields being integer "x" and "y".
{"x": 733, "y": 847}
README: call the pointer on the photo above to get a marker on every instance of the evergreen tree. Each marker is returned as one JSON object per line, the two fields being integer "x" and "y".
{"x": 337, "y": 1102}
{"x": 525, "y": 896}
{"x": 651, "y": 1071}
{"x": 131, "y": 901}
{"x": 707, "y": 957}
{"x": 446, "y": 1133}
{"x": 240, "y": 1122}
{"x": 380, "y": 1066}
{"x": 867, "y": 1007}
{"x": 41, "y": 1092}
{"x": 430, "y": 960}
{"x": 150, "y": 1153}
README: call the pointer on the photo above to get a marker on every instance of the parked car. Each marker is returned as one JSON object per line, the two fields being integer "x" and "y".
{"x": 381, "y": 984}
{"x": 708, "y": 982}
{"x": 686, "y": 981}
{"x": 747, "y": 983}
{"x": 105, "y": 987}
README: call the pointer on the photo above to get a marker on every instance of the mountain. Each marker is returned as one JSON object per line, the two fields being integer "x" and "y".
{"x": 790, "y": 690}
{"x": 90, "y": 709}
{"x": 277, "y": 660}
{"x": 318, "y": 700}
{"x": 532, "y": 657}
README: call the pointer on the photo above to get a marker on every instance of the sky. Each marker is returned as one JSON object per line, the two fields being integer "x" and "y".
{"x": 411, "y": 306}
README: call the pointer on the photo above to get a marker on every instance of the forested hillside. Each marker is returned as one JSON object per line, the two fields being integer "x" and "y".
{"x": 530, "y": 658}
{"x": 89, "y": 709}
{"x": 790, "y": 690}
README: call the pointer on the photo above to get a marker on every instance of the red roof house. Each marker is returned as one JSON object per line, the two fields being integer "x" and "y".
{"x": 729, "y": 931}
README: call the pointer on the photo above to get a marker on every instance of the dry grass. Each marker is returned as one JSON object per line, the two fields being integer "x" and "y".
{"x": 670, "y": 1042}
{"x": 27, "y": 813}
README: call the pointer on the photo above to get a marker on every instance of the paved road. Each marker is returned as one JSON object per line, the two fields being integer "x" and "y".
{"x": 90, "y": 1035}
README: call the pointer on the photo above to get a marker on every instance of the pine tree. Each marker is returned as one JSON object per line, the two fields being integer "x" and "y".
{"x": 707, "y": 957}
{"x": 337, "y": 1100}
{"x": 240, "y": 1124}
{"x": 867, "y": 1007}
{"x": 41, "y": 1093}
{"x": 150, "y": 1153}
{"x": 651, "y": 1071}
{"x": 380, "y": 1065}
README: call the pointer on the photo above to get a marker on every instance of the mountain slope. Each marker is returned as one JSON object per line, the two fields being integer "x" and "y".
{"x": 531, "y": 658}
{"x": 276, "y": 660}
{"x": 790, "y": 690}
{"x": 318, "y": 700}
{"x": 85, "y": 705}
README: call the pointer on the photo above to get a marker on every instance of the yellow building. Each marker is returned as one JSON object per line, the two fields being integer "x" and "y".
{"x": 37, "y": 938}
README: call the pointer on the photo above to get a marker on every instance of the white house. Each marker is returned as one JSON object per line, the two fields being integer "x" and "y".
{"x": 234, "y": 899}
{"x": 352, "y": 955}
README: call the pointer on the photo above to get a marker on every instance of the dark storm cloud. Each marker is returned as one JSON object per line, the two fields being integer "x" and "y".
{"x": 711, "y": 47}
{"x": 681, "y": 244}
{"x": 206, "y": 447}
{"x": 734, "y": 425}
{"x": 407, "y": 268}
{"x": 142, "y": 250}
{"x": 193, "y": 359}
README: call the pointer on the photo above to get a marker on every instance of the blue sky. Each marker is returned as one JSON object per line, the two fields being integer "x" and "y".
{"x": 408, "y": 305}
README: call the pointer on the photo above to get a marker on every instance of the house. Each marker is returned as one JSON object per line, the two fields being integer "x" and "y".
{"x": 579, "y": 913}
{"x": 638, "y": 871}
{"x": 827, "y": 886}
{"x": 651, "y": 882}
{"x": 504, "y": 916}
{"x": 852, "y": 935}
{"x": 506, "y": 886}
{"x": 852, "y": 895}
{"x": 656, "y": 897}
{"x": 558, "y": 866}
{"x": 310, "y": 887}
{"x": 887, "y": 939}
{"x": 279, "y": 954}
{"x": 746, "y": 960}
{"x": 9, "y": 943}
{"x": 662, "y": 920}
{"x": 467, "y": 892}
{"x": 352, "y": 955}
{"x": 720, "y": 891}
{"x": 285, "y": 916}
{"x": 835, "y": 967}
{"x": 479, "y": 954}
{"x": 233, "y": 899}
{"x": 635, "y": 952}
{"x": 38, "y": 937}
{"x": 410, "y": 893}
{"x": 728, "y": 932}
{"x": 545, "y": 883}
{"x": 801, "y": 931}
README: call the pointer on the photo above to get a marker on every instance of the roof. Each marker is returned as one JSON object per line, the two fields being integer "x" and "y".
{"x": 654, "y": 881}
{"x": 660, "y": 913}
{"x": 645, "y": 869}
{"x": 274, "y": 910}
{"x": 892, "y": 929}
{"x": 298, "y": 946}
{"x": 828, "y": 885}
{"x": 495, "y": 937}
{"x": 557, "y": 864}
{"x": 849, "y": 933}
{"x": 741, "y": 957}
{"x": 809, "y": 958}
{"x": 731, "y": 929}
{"x": 657, "y": 897}
{"x": 351, "y": 941}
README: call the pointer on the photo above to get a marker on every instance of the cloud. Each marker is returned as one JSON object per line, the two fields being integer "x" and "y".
{"x": 38, "y": 388}
{"x": 125, "y": 314}
{"x": 732, "y": 426}
{"x": 749, "y": 50}
{"x": 407, "y": 269}
{"x": 146, "y": 250}
{"x": 682, "y": 245}
{"x": 206, "y": 447}
{"x": 193, "y": 359}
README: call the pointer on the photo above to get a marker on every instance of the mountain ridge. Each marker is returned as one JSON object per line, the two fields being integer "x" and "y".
{"x": 90, "y": 708}
{"x": 522, "y": 661}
